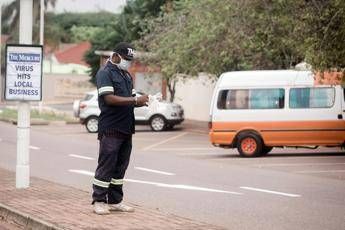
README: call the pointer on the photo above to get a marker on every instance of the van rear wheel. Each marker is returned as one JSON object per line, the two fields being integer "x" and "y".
{"x": 249, "y": 145}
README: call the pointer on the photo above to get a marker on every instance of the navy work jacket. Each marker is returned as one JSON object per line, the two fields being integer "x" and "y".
{"x": 119, "y": 119}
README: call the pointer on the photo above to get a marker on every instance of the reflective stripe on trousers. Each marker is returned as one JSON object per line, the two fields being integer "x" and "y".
{"x": 113, "y": 160}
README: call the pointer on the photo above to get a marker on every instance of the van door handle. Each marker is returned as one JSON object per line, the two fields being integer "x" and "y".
{"x": 340, "y": 116}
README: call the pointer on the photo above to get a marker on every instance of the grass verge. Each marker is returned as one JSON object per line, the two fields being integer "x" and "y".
{"x": 11, "y": 114}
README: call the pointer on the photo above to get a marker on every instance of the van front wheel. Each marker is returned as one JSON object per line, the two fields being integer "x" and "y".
{"x": 249, "y": 145}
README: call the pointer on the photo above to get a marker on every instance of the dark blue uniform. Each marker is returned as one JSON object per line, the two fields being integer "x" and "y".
{"x": 115, "y": 129}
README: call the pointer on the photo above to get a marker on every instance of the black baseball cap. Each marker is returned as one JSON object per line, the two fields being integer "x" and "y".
{"x": 125, "y": 49}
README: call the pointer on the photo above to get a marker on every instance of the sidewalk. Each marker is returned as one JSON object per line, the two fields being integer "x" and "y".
{"x": 47, "y": 205}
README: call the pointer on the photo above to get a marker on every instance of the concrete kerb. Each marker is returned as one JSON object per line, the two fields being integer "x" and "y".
{"x": 26, "y": 221}
{"x": 41, "y": 122}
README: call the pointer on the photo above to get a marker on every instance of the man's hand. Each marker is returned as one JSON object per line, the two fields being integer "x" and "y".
{"x": 142, "y": 100}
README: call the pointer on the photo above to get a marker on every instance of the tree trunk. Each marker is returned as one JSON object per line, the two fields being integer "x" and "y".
{"x": 172, "y": 89}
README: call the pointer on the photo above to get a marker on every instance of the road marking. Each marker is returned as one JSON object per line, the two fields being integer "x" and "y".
{"x": 181, "y": 186}
{"x": 34, "y": 147}
{"x": 0, "y": 139}
{"x": 155, "y": 171}
{"x": 320, "y": 171}
{"x": 296, "y": 164}
{"x": 177, "y": 186}
{"x": 81, "y": 157}
{"x": 83, "y": 172}
{"x": 272, "y": 192}
{"x": 165, "y": 141}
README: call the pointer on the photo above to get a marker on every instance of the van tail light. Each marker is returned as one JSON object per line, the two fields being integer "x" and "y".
{"x": 82, "y": 106}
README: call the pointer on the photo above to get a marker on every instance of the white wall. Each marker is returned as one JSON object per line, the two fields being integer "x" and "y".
{"x": 62, "y": 88}
{"x": 65, "y": 87}
{"x": 149, "y": 83}
{"x": 195, "y": 94}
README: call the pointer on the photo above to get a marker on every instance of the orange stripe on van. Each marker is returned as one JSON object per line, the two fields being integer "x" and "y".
{"x": 283, "y": 133}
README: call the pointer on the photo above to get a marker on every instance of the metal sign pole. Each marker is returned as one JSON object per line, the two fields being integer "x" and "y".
{"x": 23, "y": 127}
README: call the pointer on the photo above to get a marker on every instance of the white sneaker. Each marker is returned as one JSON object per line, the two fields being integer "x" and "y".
{"x": 101, "y": 208}
{"x": 120, "y": 208}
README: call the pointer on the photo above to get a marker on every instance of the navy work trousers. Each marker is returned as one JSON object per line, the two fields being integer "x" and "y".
{"x": 113, "y": 160}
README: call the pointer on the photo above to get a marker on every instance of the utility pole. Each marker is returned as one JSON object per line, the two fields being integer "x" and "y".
{"x": 2, "y": 81}
{"x": 23, "y": 127}
{"x": 42, "y": 22}
{"x": 41, "y": 41}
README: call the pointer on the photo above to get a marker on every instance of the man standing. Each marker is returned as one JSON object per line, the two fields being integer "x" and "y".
{"x": 115, "y": 129}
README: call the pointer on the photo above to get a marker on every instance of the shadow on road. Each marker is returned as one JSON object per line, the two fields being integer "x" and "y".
{"x": 318, "y": 154}
{"x": 147, "y": 129}
{"x": 271, "y": 155}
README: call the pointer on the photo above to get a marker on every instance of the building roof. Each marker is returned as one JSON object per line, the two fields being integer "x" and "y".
{"x": 73, "y": 53}
{"x": 329, "y": 78}
{"x": 137, "y": 55}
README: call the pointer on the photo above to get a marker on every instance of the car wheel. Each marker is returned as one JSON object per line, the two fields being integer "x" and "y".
{"x": 157, "y": 123}
{"x": 92, "y": 124}
{"x": 266, "y": 150}
{"x": 249, "y": 144}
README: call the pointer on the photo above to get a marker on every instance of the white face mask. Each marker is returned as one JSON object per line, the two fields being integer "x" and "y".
{"x": 124, "y": 64}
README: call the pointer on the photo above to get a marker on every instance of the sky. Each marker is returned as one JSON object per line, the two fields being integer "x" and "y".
{"x": 114, "y": 6}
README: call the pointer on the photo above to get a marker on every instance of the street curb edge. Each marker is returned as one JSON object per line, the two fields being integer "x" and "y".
{"x": 11, "y": 215}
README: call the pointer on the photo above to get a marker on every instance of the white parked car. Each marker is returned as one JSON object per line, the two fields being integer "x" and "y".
{"x": 164, "y": 116}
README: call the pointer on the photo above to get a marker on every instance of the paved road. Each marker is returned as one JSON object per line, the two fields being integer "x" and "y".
{"x": 180, "y": 172}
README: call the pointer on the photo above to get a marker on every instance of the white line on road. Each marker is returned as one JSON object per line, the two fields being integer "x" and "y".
{"x": 155, "y": 171}
{"x": 320, "y": 171}
{"x": 81, "y": 157}
{"x": 83, "y": 172}
{"x": 272, "y": 192}
{"x": 296, "y": 164}
{"x": 181, "y": 186}
{"x": 177, "y": 186}
{"x": 34, "y": 147}
{"x": 165, "y": 141}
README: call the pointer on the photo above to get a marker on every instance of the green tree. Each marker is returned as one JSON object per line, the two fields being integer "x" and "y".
{"x": 72, "y": 23}
{"x": 215, "y": 36}
{"x": 104, "y": 40}
{"x": 128, "y": 26}
{"x": 10, "y": 18}
{"x": 84, "y": 33}
{"x": 324, "y": 26}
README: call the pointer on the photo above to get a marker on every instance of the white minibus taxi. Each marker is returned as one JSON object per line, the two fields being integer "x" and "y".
{"x": 255, "y": 111}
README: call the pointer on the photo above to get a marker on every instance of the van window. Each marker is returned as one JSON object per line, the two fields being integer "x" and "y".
{"x": 311, "y": 97}
{"x": 251, "y": 99}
